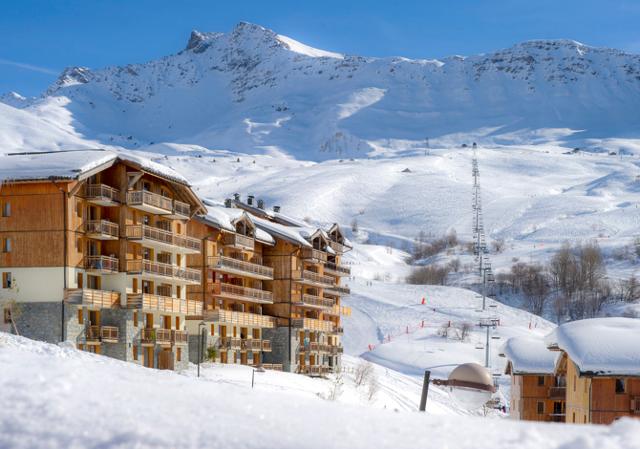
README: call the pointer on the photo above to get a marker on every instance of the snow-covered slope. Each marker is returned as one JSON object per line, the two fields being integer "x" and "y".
{"x": 58, "y": 397}
{"x": 252, "y": 90}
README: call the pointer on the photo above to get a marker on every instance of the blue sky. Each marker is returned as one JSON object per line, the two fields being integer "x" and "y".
{"x": 39, "y": 38}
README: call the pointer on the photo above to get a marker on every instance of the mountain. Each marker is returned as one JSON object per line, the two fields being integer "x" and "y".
{"x": 252, "y": 90}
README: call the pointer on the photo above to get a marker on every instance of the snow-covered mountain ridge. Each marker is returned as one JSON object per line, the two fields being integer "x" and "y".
{"x": 252, "y": 90}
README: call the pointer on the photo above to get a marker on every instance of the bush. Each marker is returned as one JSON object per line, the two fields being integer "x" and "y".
{"x": 212, "y": 353}
{"x": 430, "y": 274}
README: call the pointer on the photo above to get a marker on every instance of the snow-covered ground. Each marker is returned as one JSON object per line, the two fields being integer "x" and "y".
{"x": 58, "y": 397}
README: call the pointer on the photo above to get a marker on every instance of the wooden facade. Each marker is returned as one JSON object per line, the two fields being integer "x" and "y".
{"x": 537, "y": 397}
{"x": 232, "y": 291}
{"x": 598, "y": 399}
{"x": 111, "y": 238}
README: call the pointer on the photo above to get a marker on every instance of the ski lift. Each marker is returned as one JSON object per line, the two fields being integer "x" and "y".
{"x": 479, "y": 346}
{"x": 495, "y": 337}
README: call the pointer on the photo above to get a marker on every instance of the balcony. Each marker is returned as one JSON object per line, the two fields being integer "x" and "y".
{"x": 179, "y": 337}
{"x": 338, "y": 311}
{"x": 238, "y": 241}
{"x": 101, "y": 264}
{"x": 163, "y": 240}
{"x": 251, "y": 345}
{"x": 101, "y": 334}
{"x": 338, "y": 247}
{"x": 149, "y": 202}
{"x": 316, "y": 302}
{"x": 230, "y": 343}
{"x": 240, "y": 267}
{"x": 314, "y": 256}
{"x": 311, "y": 370}
{"x": 338, "y": 290}
{"x": 313, "y": 324}
{"x": 239, "y": 318}
{"x": 103, "y": 299}
{"x": 102, "y": 195}
{"x": 335, "y": 350}
{"x": 272, "y": 366}
{"x": 266, "y": 345}
{"x": 163, "y": 271}
{"x": 557, "y": 392}
{"x": 158, "y": 303}
{"x": 310, "y": 278}
{"x": 180, "y": 211}
{"x": 102, "y": 230}
{"x": 230, "y": 291}
{"x": 336, "y": 270}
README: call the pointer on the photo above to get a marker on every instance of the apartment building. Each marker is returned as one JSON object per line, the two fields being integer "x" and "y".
{"x": 600, "y": 359}
{"x": 307, "y": 290}
{"x": 231, "y": 328}
{"x": 537, "y": 393}
{"x": 94, "y": 251}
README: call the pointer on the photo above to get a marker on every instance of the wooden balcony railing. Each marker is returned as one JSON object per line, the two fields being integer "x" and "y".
{"x": 338, "y": 247}
{"x": 164, "y": 270}
{"x": 266, "y": 345}
{"x": 272, "y": 366}
{"x": 148, "y": 336}
{"x": 334, "y": 350}
{"x": 317, "y": 301}
{"x": 313, "y": 278}
{"x": 109, "y": 334}
{"x": 238, "y": 241}
{"x": 337, "y": 270}
{"x": 90, "y": 297}
{"x": 144, "y": 198}
{"x": 180, "y": 208}
{"x": 102, "y": 193}
{"x": 146, "y": 301}
{"x": 314, "y": 255}
{"x": 179, "y": 337}
{"x": 243, "y": 293}
{"x": 557, "y": 392}
{"x": 223, "y": 263}
{"x": 102, "y": 228}
{"x": 252, "y": 345}
{"x": 104, "y": 264}
{"x": 230, "y": 343}
{"x": 313, "y": 324}
{"x": 239, "y": 318}
{"x": 92, "y": 333}
{"x": 143, "y": 232}
{"x": 163, "y": 335}
{"x": 338, "y": 290}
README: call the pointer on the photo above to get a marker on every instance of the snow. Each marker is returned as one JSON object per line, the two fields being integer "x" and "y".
{"x": 223, "y": 218}
{"x": 58, "y": 397}
{"x": 303, "y": 49}
{"x": 529, "y": 356}
{"x": 71, "y": 164}
{"x": 601, "y": 346}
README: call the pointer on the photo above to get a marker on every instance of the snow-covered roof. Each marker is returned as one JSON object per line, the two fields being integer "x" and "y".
{"x": 224, "y": 218}
{"x": 74, "y": 164}
{"x": 529, "y": 355}
{"x": 600, "y": 346}
{"x": 292, "y": 234}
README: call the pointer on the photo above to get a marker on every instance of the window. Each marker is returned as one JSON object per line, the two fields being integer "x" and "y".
{"x": 6, "y": 280}
{"x": 80, "y": 317}
{"x": 6, "y": 209}
{"x": 620, "y": 386}
{"x": 575, "y": 381}
{"x": 178, "y": 323}
{"x": 6, "y": 245}
{"x": 540, "y": 408}
{"x": 179, "y": 354}
{"x": 541, "y": 381}
{"x": 7, "y": 316}
{"x": 574, "y": 417}
{"x": 135, "y": 318}
{"x": 80, "y": 347}
{"x": 135, "y": 352}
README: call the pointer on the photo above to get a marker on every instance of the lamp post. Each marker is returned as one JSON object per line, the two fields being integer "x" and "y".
{"x": 258, "y": 369}
{"x": 201, "y": 328}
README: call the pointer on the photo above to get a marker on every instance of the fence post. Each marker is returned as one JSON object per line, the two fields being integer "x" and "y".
{"x": 425, "y": 391}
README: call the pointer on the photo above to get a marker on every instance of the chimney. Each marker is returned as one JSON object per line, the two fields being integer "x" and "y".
{"x": 276, "y": 209}
{"x": 227, "y": 202}
{"x": 250, "y": 200}
{"x": 260, "y": 204}
{"x": 236, "y": 196}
